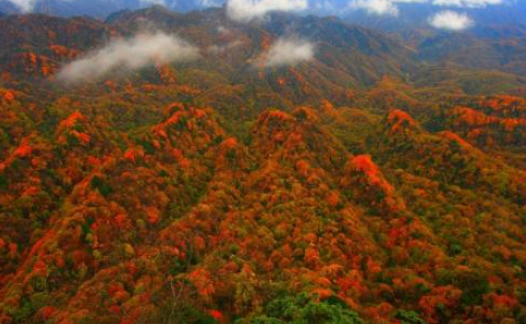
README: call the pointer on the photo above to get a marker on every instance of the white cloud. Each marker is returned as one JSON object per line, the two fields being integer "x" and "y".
{"x": 210, "y": 3}
{"x": 29, "y": 5}
{"x": 134, "y": 53}
{"x": 221, "y": 49}
{"x": 247, "y": 10}
{"x": 467, "y": 3}
{"x": 24, "y": 5}
{"x": 152, "y": 2}
{"x": 376, "y": 7}
{"x": 380, "y": 7}
{"x": 451, "y": 20}
{"x": 288, "y": 51}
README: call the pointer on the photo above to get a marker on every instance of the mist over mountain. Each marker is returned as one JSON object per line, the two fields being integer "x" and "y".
{"x": 385, "y": 14}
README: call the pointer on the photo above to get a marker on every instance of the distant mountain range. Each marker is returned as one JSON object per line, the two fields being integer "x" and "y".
{"x": 94, "y": 8}
{"x": 346, "y": 54}
{"x": 409, "y": 13}
{"x": 417, "y": 14}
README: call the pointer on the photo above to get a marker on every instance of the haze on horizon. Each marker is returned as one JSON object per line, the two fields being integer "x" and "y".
{"x": 452, "y": 15}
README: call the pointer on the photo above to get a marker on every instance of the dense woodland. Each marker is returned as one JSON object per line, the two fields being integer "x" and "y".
{"x": 366, "y": 186}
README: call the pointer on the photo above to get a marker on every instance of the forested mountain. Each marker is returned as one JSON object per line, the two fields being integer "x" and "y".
{"x": 94, "y": 8}
{"x": 416, "y": 14}
{"x": 168, "y": 167}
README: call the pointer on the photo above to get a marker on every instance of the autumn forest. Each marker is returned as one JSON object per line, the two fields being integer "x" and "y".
{"x": 199, "y": 167}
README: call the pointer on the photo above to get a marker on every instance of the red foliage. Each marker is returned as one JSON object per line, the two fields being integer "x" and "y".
{"x": 229, "y": 144}
{"x": 71, "y": 121}
{"x": 333, "y": 198}
{"x": 373, "y": 267}
{"x": 115, "y": 309}
{"x": 199, "y": 243}
{"x": 471, "y": 117}
{"x": 323, "y": 293}
{"x": 122, "y": 221}
{"x": 153, "y": 215}
{"x": 46, "y": 313}
{"x": 312, "y": 256}
{"x": 400, "y": 120}
{"x": 217, "y": 315}
{"x": 504, "y": 301}
{"x": 200, "y": 278}
{"x": 454, "y": 137}
{"x": 13, "y": 249}
{"x": 131, "y": 155}
{"x": 9, "y": 96}
{"x": 365, "y": 164}
{"x": 23, "y": 151}
{"x": 445, "y": 295}
{"x": 62, "y": 51}
{"x": 40, "y": 268}
{"x": 82, "y": 137}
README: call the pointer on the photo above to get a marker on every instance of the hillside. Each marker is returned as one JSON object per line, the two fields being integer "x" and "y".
{"x": 372, "y": 182}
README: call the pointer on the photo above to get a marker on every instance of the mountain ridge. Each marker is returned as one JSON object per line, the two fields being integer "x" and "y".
{"x": 360, "y": 185}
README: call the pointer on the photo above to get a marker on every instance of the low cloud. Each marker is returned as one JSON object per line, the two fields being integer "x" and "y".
{"x": 380, "y": 7}
{"x": 467, "y": 3}
{"x": 210, "y": 3}
{"x": 24, "y": 5}
{"x": 152, "y": 2}
{"x": 222, "y": 49}
{"x": 131, "y": 54}
{"x": 288, "y": 51}
{"x": 29, "y": 5}
{"x": 248, "y": 10}
{"x": 450, "y": 20}
{"x": 376, "y": 7}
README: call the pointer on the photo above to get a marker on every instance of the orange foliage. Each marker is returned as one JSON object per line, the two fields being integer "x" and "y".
{"x": 122, "y": 221}
{"x": 46, "y": 313}
{"x": 322, "y": 293}
{"x": 454, "y": 137}
{"x": 303, "y": 167}
{"x": 82, "y": 137}
{"x": 63, "y": 51}
{"x": 153, "y": 215}
{"x": 365, "y": 165}
{"x": 445, "y": 295}
{"x": 229, "y": 144}
{"x": 327, "y": 106}
{"x": 312, "y": 256}
{"x": 23, "y": 151}
{"x": 166, "y": 73}
{"x": 133, "y": 154}
{"x": 200, "y": 278}
{"x": 9, "y": 96}
{"x": 71, "y": 121}
{"x": 333, "y": 198}
{"x": 472, "y": 117}
{"x": 400, "y": 120}
{"x": 373, "y": 267}
{"x": 199, "y": 243}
